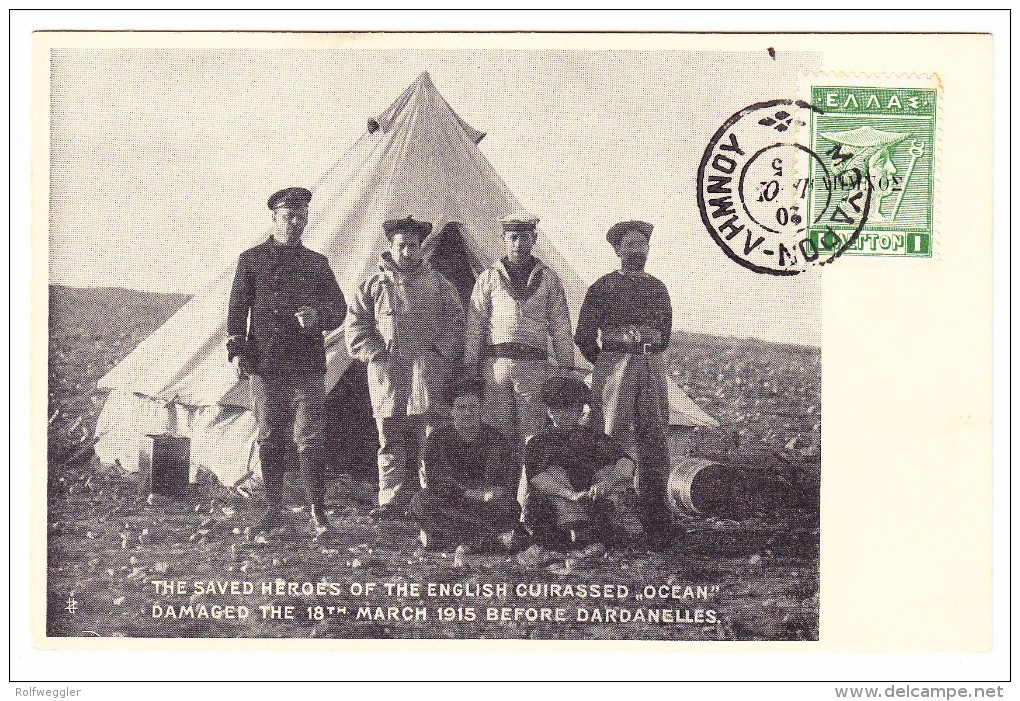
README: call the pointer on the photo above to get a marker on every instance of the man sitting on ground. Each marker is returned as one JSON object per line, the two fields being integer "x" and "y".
{"x": 468, "y": 477}
{"x": 576, "y": 471}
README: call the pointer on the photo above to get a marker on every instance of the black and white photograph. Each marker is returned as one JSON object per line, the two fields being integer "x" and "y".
{"x": 418, "y": 344}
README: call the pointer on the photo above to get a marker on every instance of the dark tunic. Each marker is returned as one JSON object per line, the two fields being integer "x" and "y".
{"x": 272, "y": 282}
{"x": 485, "y": 463}
{"x": 617, "y": 299}
{"x": 451, "y": 465}
{"x": 579, "y": 452}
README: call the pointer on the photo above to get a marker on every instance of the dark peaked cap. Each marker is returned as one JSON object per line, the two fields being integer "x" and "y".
{"x": 565, "y": 390}
{"x": 290, "y": 197}
{"x": 617, "y": 231}
{"x": 410, "y": 225}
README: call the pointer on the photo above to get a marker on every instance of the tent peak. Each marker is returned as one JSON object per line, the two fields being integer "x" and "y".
{"x": 421, "y": 95}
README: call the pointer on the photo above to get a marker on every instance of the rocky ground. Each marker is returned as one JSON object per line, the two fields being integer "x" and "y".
{"x": 118, "y": 561}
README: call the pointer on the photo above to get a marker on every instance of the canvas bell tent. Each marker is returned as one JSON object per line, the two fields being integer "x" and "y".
{"x": 418, "y": 158}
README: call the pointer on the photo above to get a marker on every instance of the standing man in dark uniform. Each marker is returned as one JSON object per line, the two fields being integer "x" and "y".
{"x": 623, "y": 329}
{"x": 283, "y": 299}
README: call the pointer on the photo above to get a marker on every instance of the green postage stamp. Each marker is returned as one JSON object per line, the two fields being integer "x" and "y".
{"x": 883, "y": 138}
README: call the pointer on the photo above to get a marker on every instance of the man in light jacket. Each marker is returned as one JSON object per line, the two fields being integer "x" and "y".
{"x": 407, "y": 324}
{"x": 516, "y": 306}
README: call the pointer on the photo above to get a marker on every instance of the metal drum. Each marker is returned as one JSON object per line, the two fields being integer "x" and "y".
{"x": 699, "y": 487}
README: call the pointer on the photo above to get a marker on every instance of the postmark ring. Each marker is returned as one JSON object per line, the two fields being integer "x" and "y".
{"x": 796, "y": 191}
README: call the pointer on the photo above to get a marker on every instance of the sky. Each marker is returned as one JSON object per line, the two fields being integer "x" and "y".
{"x": 162, "y": 159}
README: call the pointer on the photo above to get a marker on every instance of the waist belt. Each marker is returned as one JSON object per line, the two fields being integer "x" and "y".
{"x": 514, "y": 351}
{"x": 631, "y": 338}
{"x": 632, "y": 348}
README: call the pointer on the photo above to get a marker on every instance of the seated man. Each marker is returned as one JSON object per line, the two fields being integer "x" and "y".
{"x": 576, "y": 471}
{"x": 468, "y": 476}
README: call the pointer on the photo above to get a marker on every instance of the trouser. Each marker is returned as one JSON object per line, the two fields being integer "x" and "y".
{"x": 633, "y": 400}
{"x": 289, "y": 409}
{"x": 449, "y": 517}
{"x": 395, "y": 432}
{"x": 566, "y": 512}
{"x": 513, "y": 396}
{"x": 513, "y": 391}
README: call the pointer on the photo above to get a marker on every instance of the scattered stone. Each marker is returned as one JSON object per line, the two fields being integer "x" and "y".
{"x": 535, "y": 556}
{"x": 591, "y": 552}
{"x": 561, "y": 569}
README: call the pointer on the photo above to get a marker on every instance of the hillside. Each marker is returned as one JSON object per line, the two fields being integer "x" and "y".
{"x": 91, "y": 330}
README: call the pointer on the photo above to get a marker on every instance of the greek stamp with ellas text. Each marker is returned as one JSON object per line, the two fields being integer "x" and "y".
{"x": 884, "y": 137}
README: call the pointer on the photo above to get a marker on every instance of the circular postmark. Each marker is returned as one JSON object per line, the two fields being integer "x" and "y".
{"x": 771, "y": 203}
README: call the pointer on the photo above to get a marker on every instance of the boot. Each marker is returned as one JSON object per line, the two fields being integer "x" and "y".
{"x": 660, "y": 530}
{"x": 653, "y": 510}
{"x": 320, "y": 521}
{"x": 272, "y": 482}
{"x": 269, "y": 520}
{"x": 311, "y": 474}
{"x": 516, "y": 539}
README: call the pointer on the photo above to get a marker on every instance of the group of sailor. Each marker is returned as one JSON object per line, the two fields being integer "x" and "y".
{"x": 510, "y": 444}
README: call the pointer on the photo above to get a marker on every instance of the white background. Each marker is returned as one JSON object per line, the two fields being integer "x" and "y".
{"x": 30, "y": 664}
